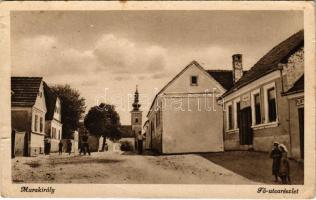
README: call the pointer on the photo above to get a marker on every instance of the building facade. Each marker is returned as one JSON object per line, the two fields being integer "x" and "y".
{"x": 295, "y": 96}
{"x": 185, "y": 116}
{"x": 147, "y": 135}
{"x": 28, "y": 109}
{"x": 53, "y": 125}
{"x": 256, "y": 111}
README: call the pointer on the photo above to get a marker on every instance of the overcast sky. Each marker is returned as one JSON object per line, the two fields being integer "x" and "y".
{"x": 104, "y": 54}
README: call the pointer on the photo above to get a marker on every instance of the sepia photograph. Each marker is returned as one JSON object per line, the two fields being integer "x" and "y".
{"x": 185, "y": 97}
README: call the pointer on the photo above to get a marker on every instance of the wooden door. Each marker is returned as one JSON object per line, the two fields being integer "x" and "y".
{"x": 301, "y": 128}
{"x": 245, "y": 130}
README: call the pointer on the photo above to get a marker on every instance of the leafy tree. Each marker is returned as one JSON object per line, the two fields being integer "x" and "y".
{"x": 103, "y": 121}
{"x": 72, "y": 108}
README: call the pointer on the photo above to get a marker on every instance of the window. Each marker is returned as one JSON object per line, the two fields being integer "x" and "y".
{"x": 54, "y": 133}
{"x": 237, "y": 114}
{"x": 257, "y": 108}
{"x": 41, "y": 124}
{"x": 59, "y": 135}
{"x": 136, "y": 120}
{"x": 230, "y": 117}
{"x": 271, "y": 105}
{"x": 194, "y": 80}
{"x": 35, "y": 123}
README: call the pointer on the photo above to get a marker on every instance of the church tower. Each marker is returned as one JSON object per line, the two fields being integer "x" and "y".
{"x": 136, "y": 115}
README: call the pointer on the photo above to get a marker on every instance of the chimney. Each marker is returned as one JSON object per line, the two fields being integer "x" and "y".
{"x": 237, "y": 67}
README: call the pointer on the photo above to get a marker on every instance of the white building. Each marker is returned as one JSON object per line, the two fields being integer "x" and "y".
{"x": 53, "y": 125}
{"x": 184, "y": 116}
{"x": 28, "y": 109}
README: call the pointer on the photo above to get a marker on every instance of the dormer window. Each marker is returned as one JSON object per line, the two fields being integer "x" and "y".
{"x": 194, "y": 80}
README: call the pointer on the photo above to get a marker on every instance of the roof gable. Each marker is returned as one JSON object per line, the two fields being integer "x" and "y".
{"x": 193, "y": 63}
{"x": 200, "y": 71}
{"x": 297, "y": 87}
{"x": 25, "y": 90}
{"x": 269, "y": 62}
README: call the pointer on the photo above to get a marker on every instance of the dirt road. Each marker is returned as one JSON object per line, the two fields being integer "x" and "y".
{"x": 105, "y": 167}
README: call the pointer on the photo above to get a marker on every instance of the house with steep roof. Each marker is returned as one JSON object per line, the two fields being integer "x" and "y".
{"x": 53, "y": 125}
{"x": 184, "y": 116}
{"x": 28, "y": 109}
{"x": 256, "y": 111}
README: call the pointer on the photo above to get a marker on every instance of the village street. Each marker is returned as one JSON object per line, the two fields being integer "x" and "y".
{"x": 114, "y": 168}
{"x": 239, "y": 167}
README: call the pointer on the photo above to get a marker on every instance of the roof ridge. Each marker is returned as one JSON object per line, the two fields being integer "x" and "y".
{"x": 27, "y": 77}
{"x": 219, "y": 70}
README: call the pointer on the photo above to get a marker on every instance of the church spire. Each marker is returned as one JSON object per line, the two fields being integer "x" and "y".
{"x": 136, "y": 104}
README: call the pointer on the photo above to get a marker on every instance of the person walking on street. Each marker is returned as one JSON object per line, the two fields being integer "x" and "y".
{"x": 85, "y": 144}
{"x": 140, "y": 143}
{"x": 60, "y": 147}
{"x": 284, "y": 171}
{"x": 276, "y": 155}
{"x": 69, "y": 146}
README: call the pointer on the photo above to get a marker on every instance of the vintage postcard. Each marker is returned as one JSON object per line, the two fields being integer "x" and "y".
{"x": 158, "y": 99}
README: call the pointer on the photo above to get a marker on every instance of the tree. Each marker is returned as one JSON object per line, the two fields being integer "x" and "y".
{"x": 72, "y": 108}
{"x": 103, "y": 121}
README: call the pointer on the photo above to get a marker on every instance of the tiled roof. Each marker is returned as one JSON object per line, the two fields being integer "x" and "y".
{"x": 126, "y": 131}
{"x": 269, "y": 62}
{"x": 50, "y": 98}
{"x": 25, "y": 90}
{"x": 297, "y": 87}
{"x": 224, "y": 77}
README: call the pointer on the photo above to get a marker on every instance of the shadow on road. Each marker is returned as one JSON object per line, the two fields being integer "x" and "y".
{"x": 80, "y": 161}
{"x": 145, "y": 153}
{"x": 256, "y": 166}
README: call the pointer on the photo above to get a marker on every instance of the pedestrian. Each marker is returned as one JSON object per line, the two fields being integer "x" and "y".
{"x": 85, "y": 144}
{"x": 69, "y": 146}
{"x": 80, "y": 148}
{"x": 60, "y": 147}
{"x": 140, "y": 143}
{"x": 276, "y": 155}
{"x": 87, "y": 148}
{"x": 45, "y": 145}
{"x": 284, "y": 171}
{"x": 48, "y": 146}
